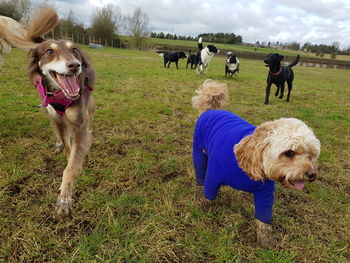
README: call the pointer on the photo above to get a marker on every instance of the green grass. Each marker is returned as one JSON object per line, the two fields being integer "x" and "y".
{"x": 136, "y": 199}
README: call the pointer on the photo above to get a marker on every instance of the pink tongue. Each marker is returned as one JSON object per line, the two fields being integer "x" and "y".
{"x": 69, "y": 85}
{"x": 299, "y": 185}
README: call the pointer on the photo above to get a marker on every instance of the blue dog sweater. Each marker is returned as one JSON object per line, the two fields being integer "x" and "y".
{"x": 215, "y": 134}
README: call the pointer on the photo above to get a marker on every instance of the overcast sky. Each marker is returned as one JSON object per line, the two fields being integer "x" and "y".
{"x": 316, "y": 21}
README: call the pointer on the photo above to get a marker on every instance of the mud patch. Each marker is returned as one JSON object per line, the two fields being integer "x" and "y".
{"x": 17, "y": 186}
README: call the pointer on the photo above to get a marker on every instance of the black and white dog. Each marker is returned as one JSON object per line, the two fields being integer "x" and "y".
{"x": 231, "y": 65}
{"x": 279, "y": 74}
{"x": 172, "y": 57}
{"x": 204, "y": 56}
{"x": 193, "y": 60}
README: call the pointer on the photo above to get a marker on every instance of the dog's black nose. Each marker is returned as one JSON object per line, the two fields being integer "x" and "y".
{"x": 73, "y": 66}
{"x": 311, "y": 174}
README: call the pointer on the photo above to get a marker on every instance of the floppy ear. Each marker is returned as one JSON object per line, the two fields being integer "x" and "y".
{"x": 280, "y": 58}
{"x": 33, "y": 63}
{"x": 249, "y": 153}
{"x": 88, "y": 71}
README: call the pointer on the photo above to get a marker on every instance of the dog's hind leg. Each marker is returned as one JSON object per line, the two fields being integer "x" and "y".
{"x": 60, "y": 130}
{"x": 63, "y": 139}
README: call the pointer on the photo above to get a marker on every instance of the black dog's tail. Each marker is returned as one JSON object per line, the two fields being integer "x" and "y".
{"x": 295, "y": 61}
{"x": 200, "y": 44}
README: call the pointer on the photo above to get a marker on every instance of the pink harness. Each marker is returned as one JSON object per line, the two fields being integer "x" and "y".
{"x": 57, "y": 99}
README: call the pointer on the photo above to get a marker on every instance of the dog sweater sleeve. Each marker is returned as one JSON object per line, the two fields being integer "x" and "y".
{"x": 200, "y": 159}
{"x": 211, "y": 184}
{"x": 264, "y": 202}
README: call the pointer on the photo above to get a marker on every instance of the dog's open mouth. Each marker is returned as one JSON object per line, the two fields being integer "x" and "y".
{"x": 68, "y": 84}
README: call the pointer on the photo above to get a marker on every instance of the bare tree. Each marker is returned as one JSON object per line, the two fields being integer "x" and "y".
{"x": 105, "y": 22}
{"x": 137, "y": 26}
{"x": 69, "y": 27}
{"x": 16, "y": 9}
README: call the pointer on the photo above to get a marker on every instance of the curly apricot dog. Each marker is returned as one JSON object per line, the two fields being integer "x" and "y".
{"x": 228, "y": 150}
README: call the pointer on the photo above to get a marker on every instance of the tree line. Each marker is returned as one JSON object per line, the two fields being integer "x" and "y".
{"x": 225, "y": 38}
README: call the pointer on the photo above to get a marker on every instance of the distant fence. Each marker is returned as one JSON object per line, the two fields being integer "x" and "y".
{"x": 84, "y": 39}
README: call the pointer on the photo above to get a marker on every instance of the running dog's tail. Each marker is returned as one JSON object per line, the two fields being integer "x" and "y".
{"x": 200, "y": 44}
{"x": 295, "y": 61}
{"x": 26, "y": 38}
{"x": 211, "y": 95}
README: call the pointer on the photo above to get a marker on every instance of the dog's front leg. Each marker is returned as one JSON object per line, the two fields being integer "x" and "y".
{"x": 81, "y": 142}
{"x": 80, "y": 146}
{"x": 290, "y": 86}
{"x": 278, "y": 90}
{"x": 282, "y": 91}
{"x": 263, "y": 233}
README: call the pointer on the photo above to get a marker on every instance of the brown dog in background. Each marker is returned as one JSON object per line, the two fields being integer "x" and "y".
{"x": 64, "y": 77}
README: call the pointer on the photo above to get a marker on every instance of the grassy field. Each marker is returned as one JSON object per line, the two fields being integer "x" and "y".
{"x": 136, "y": 199}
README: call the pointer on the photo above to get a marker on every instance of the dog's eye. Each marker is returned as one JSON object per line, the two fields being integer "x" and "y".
{"x": 289, "y": 153}
{"x": 74, "y": 50}
{"x": 50, "y": 52}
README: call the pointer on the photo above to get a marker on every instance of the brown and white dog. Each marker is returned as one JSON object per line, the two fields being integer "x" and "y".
{"x": 64, "y": 77}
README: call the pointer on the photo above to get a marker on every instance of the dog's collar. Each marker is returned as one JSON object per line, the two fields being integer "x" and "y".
{"x": 275, "y": 74}
{"x": 57, "y": 99}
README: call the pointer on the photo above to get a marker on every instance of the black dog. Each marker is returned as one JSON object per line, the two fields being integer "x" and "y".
{"x": 192, "y": 59}
{"x": 278, "y": 75}
{"x": 231, "y": 65}
{"x": 172, "y": 57}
